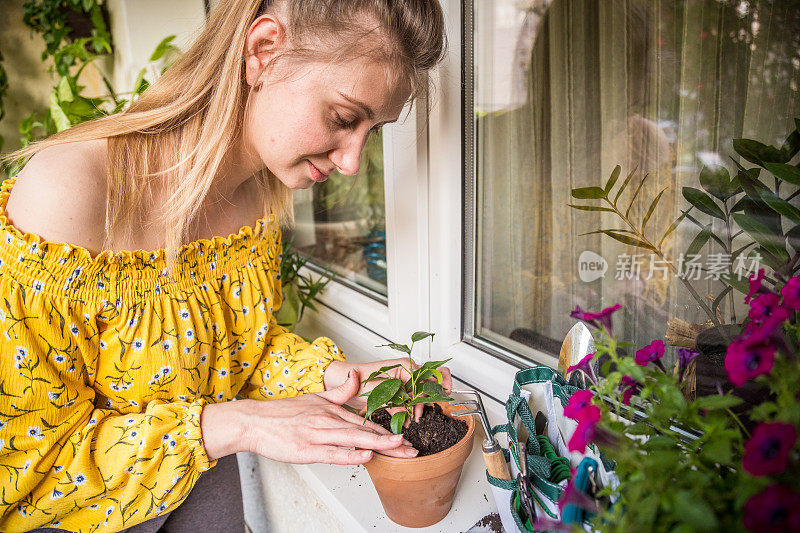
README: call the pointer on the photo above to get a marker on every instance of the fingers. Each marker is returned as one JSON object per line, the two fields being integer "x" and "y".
{"x": 338, "y": 456}
{"x": 345, "y": 391}
{"x": 447, "y": 379}
{"x": 418, "y": 411}
{"x": 403, "y": 452}
{"x": 357, "y": 438}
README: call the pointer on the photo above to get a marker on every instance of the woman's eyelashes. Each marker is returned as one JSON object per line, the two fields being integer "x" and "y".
{"x": 340, "y": 122}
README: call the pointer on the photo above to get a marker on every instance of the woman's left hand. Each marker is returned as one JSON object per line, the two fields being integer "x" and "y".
{"x": 336, "y": 373}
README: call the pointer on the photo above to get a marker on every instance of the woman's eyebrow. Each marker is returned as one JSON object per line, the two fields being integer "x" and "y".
{"x": 362, "y": 105}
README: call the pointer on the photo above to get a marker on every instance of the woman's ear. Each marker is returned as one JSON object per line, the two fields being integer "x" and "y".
{"x": 265, "y": 36}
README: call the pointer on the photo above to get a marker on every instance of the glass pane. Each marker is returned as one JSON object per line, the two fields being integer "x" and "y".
{"x": 341, "y": 224}
{"x": 564, "y": 92}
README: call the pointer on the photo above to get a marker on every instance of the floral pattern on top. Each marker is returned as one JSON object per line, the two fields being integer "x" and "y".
{"x": 107, "y": 363}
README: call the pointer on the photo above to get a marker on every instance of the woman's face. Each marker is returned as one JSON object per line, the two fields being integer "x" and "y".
{"x": 308, "y": 121}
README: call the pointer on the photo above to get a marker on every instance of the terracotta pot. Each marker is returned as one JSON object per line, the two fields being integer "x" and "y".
{"x": 418, "y": 492}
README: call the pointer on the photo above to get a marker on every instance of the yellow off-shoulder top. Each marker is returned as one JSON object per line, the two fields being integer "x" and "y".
{"x": 107, "y": 362}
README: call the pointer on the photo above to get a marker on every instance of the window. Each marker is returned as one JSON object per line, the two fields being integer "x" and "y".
{"x": 559, "y": 93}
{"x": 341, "y": 224}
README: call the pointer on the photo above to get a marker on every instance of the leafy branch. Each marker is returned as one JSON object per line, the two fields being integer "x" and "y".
{"x": 635, "y": 233}
{"x": 394, "y": 392}
{"x": 297, "y": 287}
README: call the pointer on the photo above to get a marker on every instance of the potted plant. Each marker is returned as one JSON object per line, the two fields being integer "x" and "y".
{"x": 418, "y": 491}
{"x": 298, "y": 291}
{"x": 695, "y": 465}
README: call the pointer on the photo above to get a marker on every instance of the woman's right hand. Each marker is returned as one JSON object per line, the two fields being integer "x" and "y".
{"x": 315, "y": 428}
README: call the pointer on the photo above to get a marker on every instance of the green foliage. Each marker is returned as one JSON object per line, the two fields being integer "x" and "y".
{"x": 71, "y": 53}
{"x": 768, "y": 217}
{"x": 669, "y": 480}
{"x": 299, "y": 290}
{"x": 423, "y": 386}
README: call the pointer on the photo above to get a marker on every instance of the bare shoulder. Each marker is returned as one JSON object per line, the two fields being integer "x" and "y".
{"x": 60, "y": 194}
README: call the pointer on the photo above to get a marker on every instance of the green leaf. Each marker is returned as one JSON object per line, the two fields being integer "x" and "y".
{"x": 699, "y": 241}
{"x": 756, "y": 152}
{"x": 381, "y": 394}
{"x": 660, "y": 441}
{"x": 694, "y": 511}
{"x": 781, "y": 206}
{"x": 162, "y": 48}
{"x": 591, "y": 208}
{"x": 714, "y": 402}
{"x": 787, "y": 173}
{"x": 381, "y": 371}
{"x": 64, "y": 89}
{"x": 635, "y": 194}
{"x": 639, "y": 428}
{"x": 397, "y": 422}
{"x": 435, "y": 364}
{"x": 141, "y": 84}
{"x": 395, "y": 346}
{"x": 793, "y": 236}
{"x": 624, "y": 239}
{"x": 613, "y": 179}
{"x": 652, "y": 208}
{"x": 587, "y": 193}
{"x": 717, "y": 450}
{"x": 431, "y": 388}
{"x": 760, "y": 233}
{"x": 703, "y": 202}
{"x": 419, "y": 335}
{"x": 716, "y": 181}
{"x": 624, "y": 185}
{"x": 58, "y": 115}
{"x": 672, "y": 227}
{"x": 429, "y": 399}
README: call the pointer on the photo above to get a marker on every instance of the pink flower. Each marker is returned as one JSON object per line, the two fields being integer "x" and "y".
{"x": 776, "y": 508}
{"x": 597, "y": 320}
{"x": 580, "y": 400}
{"x": 629, "y": 387}
{"x": 767, "y": 451}
{"x": 652, "y": 353}
{"x": 585, "y": 365}
{"x": 747, "y": 360}
{"x": 765, "y": 306}
{"x": 791, "y": 293}
{"x": 584, "y": 433}
{"x": 755, "y": 285}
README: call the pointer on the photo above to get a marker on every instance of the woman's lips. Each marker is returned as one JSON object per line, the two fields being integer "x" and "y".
{"x": 316, "y": 174}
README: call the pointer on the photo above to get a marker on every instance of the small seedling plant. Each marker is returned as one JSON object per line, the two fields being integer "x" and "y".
{"x": 424, "y": 386}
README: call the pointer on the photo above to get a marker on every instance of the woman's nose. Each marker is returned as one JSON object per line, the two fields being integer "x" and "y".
{"x": 347, "y": 157}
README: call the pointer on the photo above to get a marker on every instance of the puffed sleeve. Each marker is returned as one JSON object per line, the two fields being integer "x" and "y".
{"x": 63, "y": 462}
{"x": 289, "y": 365}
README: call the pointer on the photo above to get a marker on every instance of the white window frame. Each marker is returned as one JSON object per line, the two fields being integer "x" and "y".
{"x": 429, "y": 266}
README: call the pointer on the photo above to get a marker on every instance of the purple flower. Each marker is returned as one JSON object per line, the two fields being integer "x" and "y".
{"x": 585, "y": 366}
{"x": 776, "y": 508}
{"x": 791, "y": 293}
{"x": 685, "y": 356}
{"x": 597, "y": 320}
{"x": 746, "y": 360}
{"x": 579, "y": 401}
{"x": 584, "y": 433}
{"x": 755, "y": 285}
{"x": 767, "y": 451}
{"x": 652, "y": 353}
{"x": 629, "y": 387}
{"x": 765, "y": 306}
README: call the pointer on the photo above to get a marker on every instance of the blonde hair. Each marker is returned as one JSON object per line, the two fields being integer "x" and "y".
{"x": 180, "y": 129}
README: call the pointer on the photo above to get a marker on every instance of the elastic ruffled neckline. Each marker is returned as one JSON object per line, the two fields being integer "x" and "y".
{"x": 62, "y": 262}
{"x": 122, "y": 257}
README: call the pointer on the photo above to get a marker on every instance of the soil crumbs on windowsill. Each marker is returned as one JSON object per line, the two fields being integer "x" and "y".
{"x": 434, "y": 432}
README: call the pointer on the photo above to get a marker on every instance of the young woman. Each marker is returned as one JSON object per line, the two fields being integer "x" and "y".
{"x": 119, "y": 364}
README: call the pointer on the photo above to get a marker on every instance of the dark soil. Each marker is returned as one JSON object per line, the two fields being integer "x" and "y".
{"x": 434, "y": 432}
